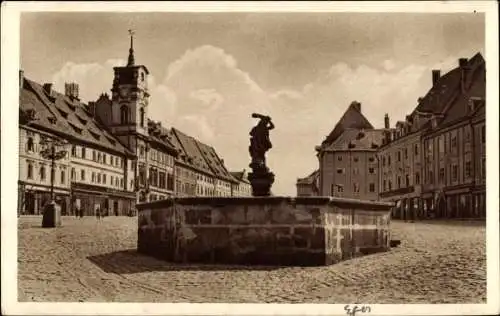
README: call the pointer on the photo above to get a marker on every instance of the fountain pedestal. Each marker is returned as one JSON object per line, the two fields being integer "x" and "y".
{"x": 261, "y": 180}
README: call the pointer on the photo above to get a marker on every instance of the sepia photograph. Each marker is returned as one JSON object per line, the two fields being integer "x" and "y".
{"x": 318, "y": 154}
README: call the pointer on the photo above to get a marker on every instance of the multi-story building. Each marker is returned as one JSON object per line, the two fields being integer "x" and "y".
{"x": 348, "y": 157}
{"x": 454, "y": 141}
{"x": 308, "y": 186}
{"x": 242, "y": 187}
{"x": 93, "y": 172}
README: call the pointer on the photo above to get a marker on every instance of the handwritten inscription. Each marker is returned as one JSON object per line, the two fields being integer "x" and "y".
{"x": 352, "y": 310}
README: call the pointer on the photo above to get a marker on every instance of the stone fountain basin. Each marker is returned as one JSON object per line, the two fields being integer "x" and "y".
{"x": 303, "y": 231}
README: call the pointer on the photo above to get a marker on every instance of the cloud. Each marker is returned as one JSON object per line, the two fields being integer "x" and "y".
{"x": 206, "y": 95}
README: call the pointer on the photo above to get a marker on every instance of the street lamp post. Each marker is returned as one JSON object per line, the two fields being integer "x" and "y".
{"x": 51, "y": 151}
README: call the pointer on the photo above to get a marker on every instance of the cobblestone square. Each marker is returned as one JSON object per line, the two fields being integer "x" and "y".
{"x": 95, "y": 261}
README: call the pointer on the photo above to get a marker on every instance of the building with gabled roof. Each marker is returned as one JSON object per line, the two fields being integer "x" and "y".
{"x": 91, "y": 176}
{"x": 308, "y": 186}
{"x": 242, "y": 187}
{"x": 431, "y": 163}
{"x": 347, "y": 157}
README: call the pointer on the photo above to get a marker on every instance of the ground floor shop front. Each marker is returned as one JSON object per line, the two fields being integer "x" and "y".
{"x": 78, "y": 201}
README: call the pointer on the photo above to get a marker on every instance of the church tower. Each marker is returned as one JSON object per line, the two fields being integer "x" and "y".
{"x": 129, "y": 100}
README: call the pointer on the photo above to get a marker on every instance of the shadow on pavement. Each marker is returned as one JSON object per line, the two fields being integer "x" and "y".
{"x": 130, "y": 261}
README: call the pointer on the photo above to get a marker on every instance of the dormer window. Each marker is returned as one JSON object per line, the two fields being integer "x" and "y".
{"x": 52, "y": 120}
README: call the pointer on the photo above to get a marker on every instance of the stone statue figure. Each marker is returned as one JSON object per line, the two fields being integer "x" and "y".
{"x": 259, "y": 140}
{"x": 261, "y": 179}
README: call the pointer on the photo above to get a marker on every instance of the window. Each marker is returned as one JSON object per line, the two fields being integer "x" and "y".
{"x": 483, "y": 134}
{"x": 454, "y": 142}
{"x": 339, "y": 158}
{"x": 372, "y": 187}
{"x": 104, "y": 160}
{"x": 116, "y": 181}
{"x": 63, "y": 176}
{"x": 162, "y": 180}
{"x": 417, "y": 178}
{"x": 399, "y": 155}
{"x": 415, "y": 149}
{"x": 124, "y": 114}
{"x": 390, "y": 185}
{"x": 455, "y": 172}
{"x": 111, "y": 162}
{"x": 142, "y": 116}
{"x": 99, "y": 157}
{"x": 371, "y": 170}
{"x": 73, "y": 151}
{"x": 441, "y": 175}
{"x": 42, "y": 173}
{"x": 30, "y": 144}
{"x": 431, "y": 177}
{"x": 141, "y": 151}
{"x": 340, "y": 188}
{"x": 355, "y": 159}
{"x": 94, "y": 156}
{"x": 121, "y": 183}
{"x": 371, "y": 159}
{"x": 383, "y": 161}
{"x": 389, "y": 160}
{"x": 111, "y": 178}
{"x": 82, "y": 175}
{"x": 406, "y": 153}
{"x": 340, "y": 170}
{"x": 73, "y": 174}
{"x": 441, "y": 144}
{"x": 399, "y": 182}
{"x": 83, "y": 153}
{"x": 355, "y": 187}
{"x": 407, "y": 180}
{"x": 30, "y": 170}
{"x": 170, "y": 181}
{"x": 104, "y": 178}
{"x": 385, "y": 185}
{"x": 468, "y": 169}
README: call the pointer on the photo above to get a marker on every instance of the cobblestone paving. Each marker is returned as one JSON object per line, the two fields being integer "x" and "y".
{"x": 87, "y": 260}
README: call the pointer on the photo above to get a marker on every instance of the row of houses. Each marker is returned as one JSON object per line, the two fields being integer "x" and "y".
{"x": 432, "y": 164}
{"x": 115, "y": 155}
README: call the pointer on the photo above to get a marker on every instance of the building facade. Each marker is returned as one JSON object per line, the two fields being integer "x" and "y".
{"x": 242, "y": 187}
{"x": 455, "y": 144}
{"x": 308, "y": 186}
{"x": 92, "y": 174}
{"x": 348, "y": 164}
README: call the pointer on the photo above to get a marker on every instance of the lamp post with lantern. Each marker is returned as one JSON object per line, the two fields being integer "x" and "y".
{"x": 53, "y": 150}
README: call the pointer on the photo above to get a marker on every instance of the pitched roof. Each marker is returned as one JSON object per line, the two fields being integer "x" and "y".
{"x": 240, "y": 176}
{"x": 358, "y": 140}
{"x": 214, "y": 161}
{"x": 190, "y": 153}
{"x": 459, "y": 109}
{"x": 352, "y": 118}
{"x": 162, "y": 136}
{"x": 309, "y": 179}
{"x": 67, "y": 117}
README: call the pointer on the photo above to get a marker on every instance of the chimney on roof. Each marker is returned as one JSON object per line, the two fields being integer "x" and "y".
{"x": 386, "y": 121}
{"x": 21, "y": 78}
{"x": 464, "y": 73}
{"x": 436, "y": 74}
{"x": 47, "y": 87}
{"x": 71, "y": 90}
{"x": 356, "y": 105}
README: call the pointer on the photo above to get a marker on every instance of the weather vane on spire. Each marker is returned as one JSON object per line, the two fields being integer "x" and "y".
{"x": 131, "y": 50}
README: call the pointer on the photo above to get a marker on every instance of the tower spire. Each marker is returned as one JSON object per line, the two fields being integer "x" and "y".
{"x": 131, "y": 60}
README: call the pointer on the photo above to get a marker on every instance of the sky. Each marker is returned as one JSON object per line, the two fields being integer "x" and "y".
{"x": 210, "y": 71}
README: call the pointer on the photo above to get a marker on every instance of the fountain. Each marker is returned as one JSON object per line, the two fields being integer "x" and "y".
{"x": 263, "y": 229}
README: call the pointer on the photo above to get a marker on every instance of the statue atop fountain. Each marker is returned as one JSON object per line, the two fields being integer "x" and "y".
{"x": 260, "y": 178}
